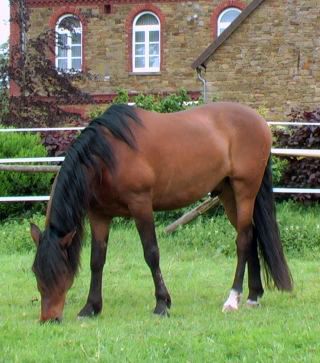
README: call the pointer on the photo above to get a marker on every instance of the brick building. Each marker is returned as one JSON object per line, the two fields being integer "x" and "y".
{"x": 269, "y": 56}
{"x": 141, "y": 46}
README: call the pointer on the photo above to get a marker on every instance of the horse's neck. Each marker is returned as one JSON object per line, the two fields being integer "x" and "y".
{"x": 48, "y": 212}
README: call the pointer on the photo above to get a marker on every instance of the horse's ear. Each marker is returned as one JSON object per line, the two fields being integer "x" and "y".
{"x": 65, "y": 242}
{"x": 35, "y": 233}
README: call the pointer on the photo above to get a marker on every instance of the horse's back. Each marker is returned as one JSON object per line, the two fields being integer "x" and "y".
{"x": 225, "y": 131}
{"x": 213, "y": 120}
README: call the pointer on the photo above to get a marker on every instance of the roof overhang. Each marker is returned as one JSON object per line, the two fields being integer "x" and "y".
{"x": 203, "y": 59}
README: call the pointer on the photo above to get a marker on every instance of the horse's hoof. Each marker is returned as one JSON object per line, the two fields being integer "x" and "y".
{"x": 88, "y": 312}
{"x": 252, "y": 304}
{"x": 161, "y": 309}
{"x": 85, "y": 314}
{"x": 233, "y": 302}
{"x": 228, "y": 307}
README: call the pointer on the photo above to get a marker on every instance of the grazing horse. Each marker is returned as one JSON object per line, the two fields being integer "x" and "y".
{"x": 130, "y": 162}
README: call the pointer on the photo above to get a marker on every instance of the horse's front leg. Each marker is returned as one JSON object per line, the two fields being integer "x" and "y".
{"x": 143, "y": 215}
{"x": 99, "y": 242}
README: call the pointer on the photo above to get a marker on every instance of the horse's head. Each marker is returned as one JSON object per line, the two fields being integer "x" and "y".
{"x": 53, "y": 272}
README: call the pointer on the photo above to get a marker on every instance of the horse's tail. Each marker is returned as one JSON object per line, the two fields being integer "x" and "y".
{"x": 267, "y": 231}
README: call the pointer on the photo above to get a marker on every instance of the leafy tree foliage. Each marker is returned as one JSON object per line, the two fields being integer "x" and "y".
{"x": 4, "y": 92}
{"x": 42, "y": 88}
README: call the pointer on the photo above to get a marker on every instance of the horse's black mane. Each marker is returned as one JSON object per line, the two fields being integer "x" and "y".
{"x": 70, "y": 201}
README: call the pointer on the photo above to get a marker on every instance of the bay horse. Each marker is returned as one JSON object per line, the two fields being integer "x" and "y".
{"x": 131, "y": 162}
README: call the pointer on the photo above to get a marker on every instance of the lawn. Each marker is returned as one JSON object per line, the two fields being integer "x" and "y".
{"x": 286, "y": 328}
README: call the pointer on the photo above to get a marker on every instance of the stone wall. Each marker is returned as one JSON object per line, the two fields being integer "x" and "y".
{"x": 107, "y": 41}
{"x": 271, "y": 60}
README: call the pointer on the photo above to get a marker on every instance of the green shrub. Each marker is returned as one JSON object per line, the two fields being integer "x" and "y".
{"x": 122, "y": 96}
{"x": 279, "y": 166}
{"x": 14, "y": 145}
{"x": 263, "y": 111}
{"x": 96, "y": 111}
{"x": 171, "y": 103}
{"x": 15, "y": 234}
{"x": 174, "y": 102}
{"x": 299, "y": 227}
{"x": 147, "y": 102}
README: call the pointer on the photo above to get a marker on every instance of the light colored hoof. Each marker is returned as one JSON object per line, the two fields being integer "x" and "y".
{"x": 228, "y": 308}
{"x": 252, "y": 304}
{"x": 233, "y": 302}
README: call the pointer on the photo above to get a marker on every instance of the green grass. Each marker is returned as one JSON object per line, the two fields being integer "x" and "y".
{"x": 299, "y": 226}
{"x": 285, "y": 329}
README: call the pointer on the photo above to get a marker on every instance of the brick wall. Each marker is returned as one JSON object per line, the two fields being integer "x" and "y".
{"x": 272, "y": 59}
{"x": 107, "y": 40}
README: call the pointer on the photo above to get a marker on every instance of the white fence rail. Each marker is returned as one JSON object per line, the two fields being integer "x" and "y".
{"x": 305, "y": 153}
{"x": 42, "y": 129}
{"x": 275, "y": 151}
{"x": 32, "y": 160}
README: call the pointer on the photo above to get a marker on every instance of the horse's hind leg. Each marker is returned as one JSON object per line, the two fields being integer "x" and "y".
{"x": 254, "y": 275}
{"x": 244, "y": 238}
{"x": 99, "y": 241}
{"x": 239, "y": 208}
{"x": 143, "y": 216}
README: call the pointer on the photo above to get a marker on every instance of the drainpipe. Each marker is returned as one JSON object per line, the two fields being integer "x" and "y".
{"x": 204, "y": 83}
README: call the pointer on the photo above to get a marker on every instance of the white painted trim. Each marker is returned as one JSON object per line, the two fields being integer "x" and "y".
{"x": 146, "y": 29}
{"x": 222, "y": 26}
{"x": 69, "y": 56}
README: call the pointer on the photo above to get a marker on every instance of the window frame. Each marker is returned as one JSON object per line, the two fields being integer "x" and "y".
{"x": 69, "y": 57}
{"x": 146, "y": 29}
{"x": 219, "y": 31}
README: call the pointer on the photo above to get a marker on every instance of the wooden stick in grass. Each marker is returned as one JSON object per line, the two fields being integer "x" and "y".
{"x": 194, "y": 213}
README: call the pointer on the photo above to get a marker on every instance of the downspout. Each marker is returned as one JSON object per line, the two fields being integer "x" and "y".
{"x": 204, "y": 83}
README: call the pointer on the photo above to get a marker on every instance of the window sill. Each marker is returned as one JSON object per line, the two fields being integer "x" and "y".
{"x": 144, "y": 73}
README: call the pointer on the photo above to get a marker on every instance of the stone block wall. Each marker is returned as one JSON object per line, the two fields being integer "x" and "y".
{"x": 187, "y": 27}
{"x": 271, "y": 60}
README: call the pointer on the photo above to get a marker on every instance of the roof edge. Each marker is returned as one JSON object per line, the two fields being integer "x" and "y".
{"x": 205, "y": 56}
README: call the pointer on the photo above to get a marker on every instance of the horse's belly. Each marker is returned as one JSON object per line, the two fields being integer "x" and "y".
{"x": 181, "y": 192}
{"x": 179, "y": 202}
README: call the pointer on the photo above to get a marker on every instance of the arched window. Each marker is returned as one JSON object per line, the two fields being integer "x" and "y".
{"x": 69, "y": 44}
{"x": 146, "y": 43}
{"x": 226, "y": 18}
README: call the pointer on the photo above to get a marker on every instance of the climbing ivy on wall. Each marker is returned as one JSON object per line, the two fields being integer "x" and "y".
{"x": 42, "y": 89}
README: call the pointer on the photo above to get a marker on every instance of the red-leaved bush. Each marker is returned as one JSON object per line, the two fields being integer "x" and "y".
{"x": 57, "y": 142}
{"x": 301, "y": 172}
